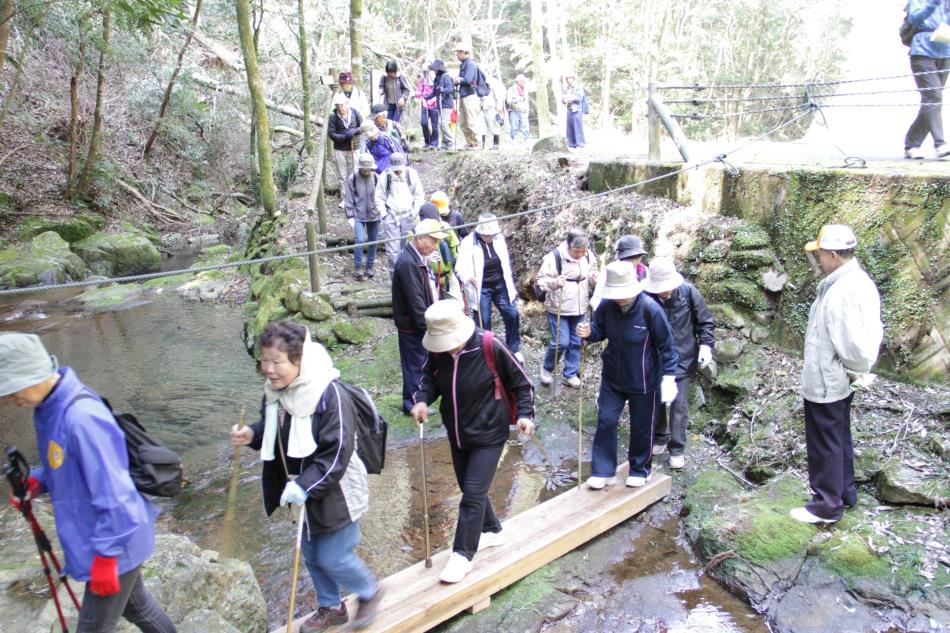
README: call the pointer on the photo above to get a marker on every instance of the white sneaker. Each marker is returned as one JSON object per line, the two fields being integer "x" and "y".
{"x": 677, "y": 462}
{"x": 942, "y": 151}
{"x": 914, "y": 153}
{"x": 456, "y": 568}
{"x": 597, "y": 483}
{"x": 803, "y": 515}
{"x": 659, "y": 448}
{"x": 519, "y": 357}
{"x": 546, "y": 377}
{"x": 490, "y": 539}
{"x": 573, "y": 381}
{"x": 637, "y": 482}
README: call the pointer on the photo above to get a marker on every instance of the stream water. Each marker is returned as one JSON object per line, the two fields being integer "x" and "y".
{"x": 182, "y": 368}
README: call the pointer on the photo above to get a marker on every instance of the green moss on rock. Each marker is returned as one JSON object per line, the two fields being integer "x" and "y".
{"x": 750, "y": 236}
{"x": 753, "y": 259}
{"x": 118, "y": 254}
{"x": 744, "y": 293}
{"x": 45, "y": 260}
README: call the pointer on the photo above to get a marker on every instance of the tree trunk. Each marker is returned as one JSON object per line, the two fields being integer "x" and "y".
{"x": 290, "y": 111}
{"x": 540, "y": 72}
{"x": 171, "y": 82}
{"x": 15, "y": 84}
{"x": 74, "y": 111}
{"x": 92, "y": 156}
{"x": 356, "y": 44}
{"x": 556, "y": 63}
{"x": 6, "y": 21}
{"x": 304, "y": 78}
{"x": 262, "y": 133}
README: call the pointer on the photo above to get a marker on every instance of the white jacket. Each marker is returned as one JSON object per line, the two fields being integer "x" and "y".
{"x": 844, "y": 334}
{"x": 573, "y": 298}
{"x": 470, "y": 262}
{"x": 405, "y": 194}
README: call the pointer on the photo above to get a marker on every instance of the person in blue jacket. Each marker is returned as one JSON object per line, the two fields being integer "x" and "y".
{"x": 381, "y": 146}
{"x": 105, "y": 526}
{"x": 930, "y": 63}
{"x": 640, "y": 350}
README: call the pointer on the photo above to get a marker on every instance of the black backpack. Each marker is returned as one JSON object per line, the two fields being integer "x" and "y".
{"x": 371, "y": 429}
{"x": 907, "y": 31}
{"x": 482, "y": 89}
{"x": 155, "y": 468}
{"x": 540, "y": 291}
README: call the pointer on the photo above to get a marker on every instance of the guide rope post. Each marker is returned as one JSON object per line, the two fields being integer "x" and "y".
{"x": 312, "y": 261}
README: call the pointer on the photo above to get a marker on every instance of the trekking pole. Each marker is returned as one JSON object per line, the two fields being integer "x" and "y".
{"x": 228, "y": 541}
{"x": 425, "y": 494}
{"x": 293, "y": 582}
{"x": 557, "y": 341}
{"x": 580, "y": 412}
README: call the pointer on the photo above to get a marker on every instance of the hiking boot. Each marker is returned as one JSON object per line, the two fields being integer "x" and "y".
{"x": 325, "y": 617}
{"x": 914, "y": 153}
{"x": 546, "y": 377}
{"x": 677, "y": 462}
{"x": 456, "y": 569}
{"x": 490, "y": 539}
{"x": 573, "y": 381}
{"x": 803, "y": 515}
{"x": 635, "y": 481}
{"x": 369, "y": 272}
{"x": 359, "y": 274}
{"x": 659, "y": 448}
{"x": 366, "y": 609}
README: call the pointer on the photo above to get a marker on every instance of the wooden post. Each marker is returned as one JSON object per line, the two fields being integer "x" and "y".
{"x": 660, "y": 110}
{"x": 312, "y": 257}
{"x": 316, "y": 201}
{"x": 653, "y": 124}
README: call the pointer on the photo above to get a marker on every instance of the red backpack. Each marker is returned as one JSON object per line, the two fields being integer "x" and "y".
{"x": 501, "y": 393}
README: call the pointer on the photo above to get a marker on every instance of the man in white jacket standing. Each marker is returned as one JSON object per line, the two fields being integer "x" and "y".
{"x": 484, "y": 267}
{"x": 841, "y": 345}
{"x": 399, "y": 194}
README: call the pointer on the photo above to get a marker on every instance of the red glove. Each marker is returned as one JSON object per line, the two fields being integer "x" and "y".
{"x": 33, "y": 490}
{"x": 104, "y": 576}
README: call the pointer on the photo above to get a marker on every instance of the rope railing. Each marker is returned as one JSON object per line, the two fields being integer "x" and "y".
{"x": 720, "y": 158}
{"x": 771, "y": 86}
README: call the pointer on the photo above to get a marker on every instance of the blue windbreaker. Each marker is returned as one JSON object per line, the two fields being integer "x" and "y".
{"x": 927, "y": 15}
{"x": 640, "y": 345}
{"x": 85, "y": 470}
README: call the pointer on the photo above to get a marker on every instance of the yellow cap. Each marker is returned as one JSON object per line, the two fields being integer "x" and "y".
{"x": 441, "y": 200}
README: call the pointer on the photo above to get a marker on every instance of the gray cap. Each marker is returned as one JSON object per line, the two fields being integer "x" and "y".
{"x": 629, "y": 246}
{"x": 366, "y": 161}
{"x": 397, "y": 159}
{"x": 24, "y": 362}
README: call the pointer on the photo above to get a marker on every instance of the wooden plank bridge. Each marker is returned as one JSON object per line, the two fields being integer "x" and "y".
{"x": 415, "y": 599}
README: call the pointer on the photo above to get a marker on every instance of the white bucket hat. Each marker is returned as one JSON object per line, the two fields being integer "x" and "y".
{"x": 662, "y": 276}
{"x": 369, "y": 129}
{"x": 621, "y": 281}
{"x": 447, "y": 327}
{"x": 488, "y": 225}
{"x": 24, "y": 362}
{"x": 339, "y": 98}
{"x": 833, "y": 237}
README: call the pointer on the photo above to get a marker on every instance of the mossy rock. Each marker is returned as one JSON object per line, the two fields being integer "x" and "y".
{"x": 45, "y": 260}
{"x": 351, "y": 331}
{"x": 549, "y": 145}
{"x": 292, "y": 297}
{"x": 743, "y": 377}
{"x": 750, "y": 236}
{"x": 744, "y": 293}
{"x": 172, "y": 281}
{"x": 315, "y": 307}
{"x": 753, "y": 259}
{"x": 77, "y": 228}
{"x": 725, "y": 315}
{"x": 708, "y": 274}
{"x": 111, "y": 298}
{"x": 728, "y": 350}
{"x": 848, "y": 555}
{"x": 217, "y": 254}
{"x": 119, "y": 254}
{"x": 715, "y": 251}
{"x": 902, "y": 484}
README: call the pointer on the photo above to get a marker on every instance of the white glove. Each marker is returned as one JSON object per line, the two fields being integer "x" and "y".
{"x": 526, "y": 426}
{"x": 705, "y": 356}
{"x": 352, "y": 222}
{"x": 668, "y": 389}
{"x": 293, "y": 493}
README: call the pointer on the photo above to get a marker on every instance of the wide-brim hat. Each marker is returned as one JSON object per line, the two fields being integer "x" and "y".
{"x": 629, "y": 246}
{"x": 345, "y": 77}
{"x": 24, "y": 362}
{"x": 369, "y": 129}
{"x": 366, "y": 161}
{"x": 488, "y": 225}
{"x": 662, "y": 276}
{"x": 621, "y": 281}
{"x": 438, "y": 65}
{"x": 833, "y": 237}
{"x": 447, "y": 327}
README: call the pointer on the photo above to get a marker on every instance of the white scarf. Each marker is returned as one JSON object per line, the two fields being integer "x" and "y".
{"x": 300, "y": 399}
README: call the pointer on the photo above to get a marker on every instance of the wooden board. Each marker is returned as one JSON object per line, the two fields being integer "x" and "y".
{"x": 415, "y": 599}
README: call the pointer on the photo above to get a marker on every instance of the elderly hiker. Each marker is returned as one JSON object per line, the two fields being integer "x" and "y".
{"x": 442, "y": 260}
{"x": 476, "y": 415}
{"x": 568, "y": 274}
{"x": 399, "y": 195}
{"x": 306, "y": 436}
{"x": 842, "y": 341}
{"x": 493, "y": 110}
{"x": 415, "y": 288}
{"x": 629, "y": 249}
{"x": 639, "y": 371}
{"x": 105, "y": 526}
{"x": 930, "y": 64}
{"x": 692, "y": 326}
{"x": 516, "y": 100}
{"x": 469, "y": 106}
{"x": 343, "y": 128}
{"x": 443, "y": 89}
{"x": 574, "y": 98}
{"x": 452, "y": 216}
{"x": 355, "y": 97}
{"x": 484, "y": 267}
{"x": 359, "y": 203}
{"x": 380, "y": 145}
{"x": 394, "y": 91}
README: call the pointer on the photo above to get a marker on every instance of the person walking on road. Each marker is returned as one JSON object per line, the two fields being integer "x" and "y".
{"x": 842, "y": 341}
{"x": 517, "y": 102}
{"x": 575, "y": 99}
{"x": 639, "y": 371}
{"x": 493, "y": 110}
{"x": 343, "y": 128}
{"x": 470, "y": 107}
{"x": 307, "y": 439}
{"x": 105, "y": 526}
{"x": 692, "y": 326}
{"x": 380, "y": 145}
{"x": 399, "y": 195}
{"x": 428, "y": 110}
{"x": 930, "y": 63}
{"x": 359, "y": 203}
{"x": 477, "y": 418}
{"x": 394, "y": 91}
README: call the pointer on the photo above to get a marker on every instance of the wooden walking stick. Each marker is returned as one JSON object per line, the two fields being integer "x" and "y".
{"x": 425, "y": 494}
{"x": 229, "y": 512}
{"x": 293, "y": 582}
{"x": 557, "y": 340}
{"x": 580, "y": 411}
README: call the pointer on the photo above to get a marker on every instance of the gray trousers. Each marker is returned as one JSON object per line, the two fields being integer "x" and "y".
{"x": 446, "y": 135}
{"x": 345, "y": 165}
{"x": 930, "y": 116}
{"x": 100, "y": 614}
{"x": 394, "y": 231}
{"x": 672, "y": 420}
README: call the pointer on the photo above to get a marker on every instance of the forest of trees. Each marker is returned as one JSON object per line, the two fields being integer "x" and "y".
{"x": 132, "y": 92}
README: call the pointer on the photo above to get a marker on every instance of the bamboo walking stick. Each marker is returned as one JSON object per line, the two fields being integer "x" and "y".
{"x": 293, "y": 581}
{"x": 425, "y": 494}
{"x": 580, "y": 409}
{"x": 229, "y": 512}
{"x": 557, "y": 340}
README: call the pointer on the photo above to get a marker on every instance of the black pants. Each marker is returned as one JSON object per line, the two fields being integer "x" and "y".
{"x": 930, "y": 117}
{"x": 830, "y": 457}
{"x": 100, "y": 614}
{"x": 474, "y": 471}
{"x": 672, "y": 420}
{"x": 412, "y": 358}
{"x": 429, "y": 120}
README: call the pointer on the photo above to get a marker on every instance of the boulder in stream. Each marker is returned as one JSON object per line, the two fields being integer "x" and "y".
{"x": 46, "y": 259}
{"x": 118, "y": 254}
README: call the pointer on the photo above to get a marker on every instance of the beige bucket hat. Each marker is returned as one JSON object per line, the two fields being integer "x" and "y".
{"x": 488, "y": 224}
{"x": 447, "y": 327}
{"x": 621, "y": 281}
{"x": 662, "y": 276}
